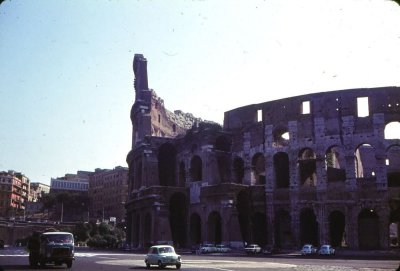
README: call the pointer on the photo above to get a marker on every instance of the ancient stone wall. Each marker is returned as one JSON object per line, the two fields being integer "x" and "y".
{"x": 318, "y": 168}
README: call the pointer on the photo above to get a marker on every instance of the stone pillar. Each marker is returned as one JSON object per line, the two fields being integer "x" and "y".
{"x": 270, "y": 217}
{"x": 295, "y": 217}
{"x": 351, "y": 227}
{"x": 384, "y": 236}
{"x": 247, "y": 159}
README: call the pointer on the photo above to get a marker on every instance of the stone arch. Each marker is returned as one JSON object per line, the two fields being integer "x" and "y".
{"x": 238, "y": 169}
{"x": 283, "y": 232}
{"x": 368, "y": 229}
{"x": 214, "y": 228}
{"x": 337, "y": 228}
{"x": 178, "y": 218}
{"x": 182, "y": 174}
{"x": 147, "y": 227}
{"x": 392, "y": 130}
{"x": 393, "y": 166}
{"x": 307, "y": 167}
{"x": 244, "y": 209}
{"x": 281, "y": 166}
{"x": 196, "y": 168}
{"x": 308, "y": 227}
{"x": 259, "y": 231}
{"x": 195, "y": 229}
{"x": 334, "y": 171}
{"x": 167, "y": 164}
{"x": 394, "y": 227}
{"x": 223, "y": 143}
{"x": 365, "y": 161}
{"x": 258, "y": 168}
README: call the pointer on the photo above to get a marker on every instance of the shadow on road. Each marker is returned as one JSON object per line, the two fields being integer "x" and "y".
{"x": 27, "y": 267}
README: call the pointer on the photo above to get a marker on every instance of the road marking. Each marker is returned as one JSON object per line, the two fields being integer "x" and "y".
{"x": 222, "y": 265}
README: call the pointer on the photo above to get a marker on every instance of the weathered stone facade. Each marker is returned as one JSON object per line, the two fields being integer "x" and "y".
{"x": 317, "y": 168}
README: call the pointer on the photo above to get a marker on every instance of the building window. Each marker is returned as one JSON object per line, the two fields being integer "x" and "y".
{"x": 362, "y": 107}
{"x": 305, "y": 108}
{"x": 259, "y": 115}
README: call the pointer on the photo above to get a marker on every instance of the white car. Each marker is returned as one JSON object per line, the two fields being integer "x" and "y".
{"x": 252, "y": 249}
{"x": 326, "y": 250}
{"x": 208, "y": 248}
{"x": 308, "y": 249}
{"x": 162, "y": 256}
{"x": 222, "y": 248}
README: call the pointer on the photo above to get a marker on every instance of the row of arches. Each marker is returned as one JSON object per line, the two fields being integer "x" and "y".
{"x": 254, "y": 227}
{"x": 364, "y": 155}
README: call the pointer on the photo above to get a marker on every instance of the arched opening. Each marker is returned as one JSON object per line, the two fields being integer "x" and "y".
{"x": 336, "y": 229}
{"x": 196, "y": 167}
{"x": 258, "y": 169}
{"x": 281, "y": 165}
{"x": 222, "y": 152}
{"x": 368, "y": 229}
{"x": 365, "y": 161}
{"x": 394, "y": 227}
{"x": 334, "y": 172}
{"x": 178, "y": 218}
{"x": 214, "y": 228}
{"x": 393, "y": 166}
{"x": 259, "y": 229}
{"x": 166, "y": 164}
{"x": 281, "y": 136}
{"x": 283, "y": 232}
{"x": 307, "y": 167}
{"x": 243, "y": 209}
{"x": 182, "y": 174}
{"x": 147, "y": 231}
{"x": 195, "y": 229}
{"x": 238, "y": 169}
{"x": 392, "y": 130}
{"x": 308, "y": 227}
{"x": 223, "y": 143}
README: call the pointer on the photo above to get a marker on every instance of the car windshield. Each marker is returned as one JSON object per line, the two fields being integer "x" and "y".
{"x": 59, "y": 238}
{"x": 163, "y": 250}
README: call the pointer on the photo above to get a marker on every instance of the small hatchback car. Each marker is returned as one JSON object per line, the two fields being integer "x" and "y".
{"x": 162, "y": 256}
{"x": 308, "y": 250}
{"x": 326, "y": 250}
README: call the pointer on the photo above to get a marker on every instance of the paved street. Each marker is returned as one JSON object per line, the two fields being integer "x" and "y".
{"x": 17, "y": 259}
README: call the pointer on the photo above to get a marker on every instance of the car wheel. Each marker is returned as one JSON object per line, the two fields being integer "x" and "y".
{"x": 160, "y": 265}
{"x": 69, "y": 263}
{"x": 147, "y": 264}
{"x": 178, "y": 266}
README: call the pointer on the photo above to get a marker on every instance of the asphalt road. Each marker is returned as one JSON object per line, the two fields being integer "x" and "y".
{"x": 17, "y": 259}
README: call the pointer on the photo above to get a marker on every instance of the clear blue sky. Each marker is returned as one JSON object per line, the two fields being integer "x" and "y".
{"x": 66, "y": 80}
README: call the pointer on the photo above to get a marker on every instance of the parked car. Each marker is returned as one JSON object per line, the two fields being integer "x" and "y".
{"x": 162, "y": 256}
{"x": 252, "y": 249}
{"x": 222, "y": 248}
{"x": 326, "y": 250}
{"x": 208, "y": 248}
{"x": 308, "y": 249}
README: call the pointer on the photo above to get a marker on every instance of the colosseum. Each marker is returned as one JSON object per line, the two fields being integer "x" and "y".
{"x": 317, "y": 168}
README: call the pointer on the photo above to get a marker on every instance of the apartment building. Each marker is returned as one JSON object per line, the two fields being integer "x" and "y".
{"x": 14, "y": 191}
{"x": 108, "y": 191}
